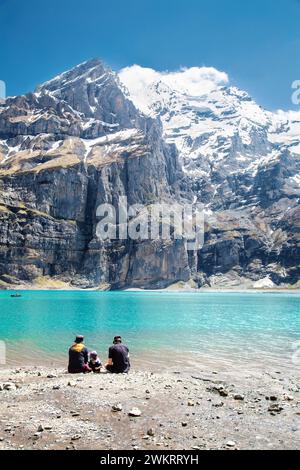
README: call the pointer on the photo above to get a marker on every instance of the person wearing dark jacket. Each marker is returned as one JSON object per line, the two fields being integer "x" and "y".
{"x": 118, "y": 357}
{"x": 95, "y": 363}
{"x": 78, "y": 357}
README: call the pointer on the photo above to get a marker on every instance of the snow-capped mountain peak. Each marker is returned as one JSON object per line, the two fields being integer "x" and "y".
{"x": 204, "y": 118}
{"x": 79, "y": 141}
{"x": 221, "y": 133}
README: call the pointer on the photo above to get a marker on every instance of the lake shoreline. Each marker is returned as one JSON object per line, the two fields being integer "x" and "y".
{"x": 170, "y": 289}
{"x": 46, "y": 408}
{"x": 160, "y": 328}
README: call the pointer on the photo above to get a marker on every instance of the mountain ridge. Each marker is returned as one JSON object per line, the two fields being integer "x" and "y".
{"x": 80, "y": 140}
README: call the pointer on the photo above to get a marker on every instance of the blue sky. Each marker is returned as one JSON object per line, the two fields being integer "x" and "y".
{"x": 256, "y": 42}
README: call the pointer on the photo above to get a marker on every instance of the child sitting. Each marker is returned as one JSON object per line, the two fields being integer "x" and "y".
{"x": 95, "y": 362}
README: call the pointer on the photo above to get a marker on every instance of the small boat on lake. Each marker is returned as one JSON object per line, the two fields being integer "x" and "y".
{"x": 16, "y": 295}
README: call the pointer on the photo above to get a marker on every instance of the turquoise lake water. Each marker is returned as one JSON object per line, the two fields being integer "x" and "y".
{"x": 160, "y": 328}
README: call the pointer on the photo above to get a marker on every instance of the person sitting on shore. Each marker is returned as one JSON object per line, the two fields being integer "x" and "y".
{"x": 118, "y": 357}
{"x": 95, "y": 363}
{"x": 78, "y": 357}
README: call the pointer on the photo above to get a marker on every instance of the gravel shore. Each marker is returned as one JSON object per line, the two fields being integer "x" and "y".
{"x": 48, "y": 409}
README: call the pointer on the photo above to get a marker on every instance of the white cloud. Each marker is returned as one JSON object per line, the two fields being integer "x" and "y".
{"x": 288, "y": 115}
{"x": 194, "y": 81}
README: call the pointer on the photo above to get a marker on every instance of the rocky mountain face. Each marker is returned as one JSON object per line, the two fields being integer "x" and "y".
{"x": 241, "y": 161}
{"x": 82, "y": 139}
{"x": 74, "y": 144}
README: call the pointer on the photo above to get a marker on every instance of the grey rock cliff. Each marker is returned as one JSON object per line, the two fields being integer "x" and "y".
{"x": 78, "y": 142}
{"x": 75, "y": 144}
